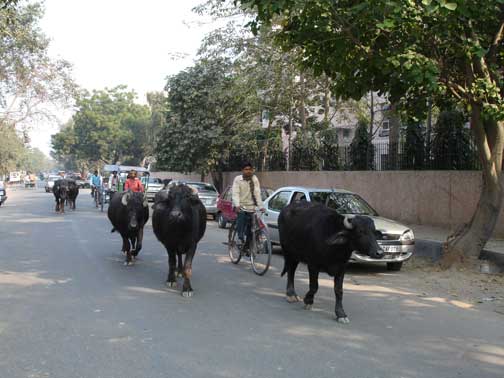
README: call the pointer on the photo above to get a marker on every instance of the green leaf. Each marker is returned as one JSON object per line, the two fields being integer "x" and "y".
{"x": 450, "y": 6}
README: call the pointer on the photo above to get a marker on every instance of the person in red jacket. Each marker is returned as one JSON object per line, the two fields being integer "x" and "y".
{"x": 133, "y": 183}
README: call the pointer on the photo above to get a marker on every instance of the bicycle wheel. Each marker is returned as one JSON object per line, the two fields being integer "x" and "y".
{"x": 102, "y": 199}
{"x": 233, "y": 250}
{"x": 260, "y": 252}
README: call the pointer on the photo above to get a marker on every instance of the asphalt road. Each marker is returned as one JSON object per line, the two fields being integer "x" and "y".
{"x": 69, "y": 308}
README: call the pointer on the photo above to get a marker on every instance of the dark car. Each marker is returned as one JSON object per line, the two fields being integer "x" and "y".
{"x": 225, "y": 213}
{"x": 3, "y": 193}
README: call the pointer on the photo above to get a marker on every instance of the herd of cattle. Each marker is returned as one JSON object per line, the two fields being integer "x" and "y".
{"x": 310, "y": 233}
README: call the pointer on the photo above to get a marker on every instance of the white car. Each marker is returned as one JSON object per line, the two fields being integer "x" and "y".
{"x": 396, "y": 240}
{"x": 50, "y": 182}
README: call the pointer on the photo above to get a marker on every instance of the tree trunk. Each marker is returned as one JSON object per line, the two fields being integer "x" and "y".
{"x": 327, "y": 101}
{"x": 218, "y": 179}
{"x": 371, "y": 116}
{"x": 465, "y": 244}
{"x": 302, "y": 111}
{"x": 394, "y": 129}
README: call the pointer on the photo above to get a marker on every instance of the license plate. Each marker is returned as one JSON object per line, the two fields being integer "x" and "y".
{"x": 208, "y": 202}
{"x": 391, "y": 248}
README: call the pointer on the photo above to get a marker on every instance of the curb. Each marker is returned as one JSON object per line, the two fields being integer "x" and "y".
{"x": 433, "y": 249}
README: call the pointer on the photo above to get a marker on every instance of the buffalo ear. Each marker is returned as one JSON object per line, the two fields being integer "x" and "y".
{"x": 338, "y": 238}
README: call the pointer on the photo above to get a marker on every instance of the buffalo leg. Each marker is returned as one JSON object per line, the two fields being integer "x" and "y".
{"x": 172, "y": 261}
{"x": 62, "y": 206}
{"x": 308, "y": 299}
{"x": 138, "y": 245}
{"x": 57, "y": 206}
{"x": 338, "y": 292}
{"x": 180, "y": 265}
{"x": 187, "y": 290}
{"x": 291, "y": 267}
{"x": 127, "y": 250}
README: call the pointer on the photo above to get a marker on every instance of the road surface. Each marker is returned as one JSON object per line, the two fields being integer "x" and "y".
{"x": 69, "y": 308}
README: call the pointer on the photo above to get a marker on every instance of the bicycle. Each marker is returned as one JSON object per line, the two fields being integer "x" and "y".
{"x": 259, "y": 246}
{"x": 98, "y": 196}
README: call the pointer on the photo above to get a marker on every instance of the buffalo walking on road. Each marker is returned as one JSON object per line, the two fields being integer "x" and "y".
{"x": 179, "y": 222}
{"x": 129, "y": 212}
{"x": 65, "y": 191}
{"x": 324, "y": 240}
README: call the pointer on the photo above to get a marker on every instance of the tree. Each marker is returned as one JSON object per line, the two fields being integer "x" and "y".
{"x": 451, "y": 146}
{"x": 361, "y": 149}
{"x": 30, "y": 81}
{"x": 414, "y": 147}
{"x": 108, "y": 127}
{"x": 412, "y": 50}
{"x": 11, "y": 148}
{"x": 205, "y": 106}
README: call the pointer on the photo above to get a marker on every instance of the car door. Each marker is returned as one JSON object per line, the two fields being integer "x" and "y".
{"x": 273, "y": 207}
{"x": 227, "y": 205}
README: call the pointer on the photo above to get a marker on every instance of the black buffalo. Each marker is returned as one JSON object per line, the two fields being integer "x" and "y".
{"x": 128, "y": 212}
{"x": 179, "y": 222}
{"x": 65, "y": 191}
{"x": 324, "y": 240}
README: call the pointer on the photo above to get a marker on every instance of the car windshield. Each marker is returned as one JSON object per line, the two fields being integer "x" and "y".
{"x": 202, "y": 187}
{"x": 348, "y": 203}
{"x": 155, "y": 180}
{"x": 53, "y": 178}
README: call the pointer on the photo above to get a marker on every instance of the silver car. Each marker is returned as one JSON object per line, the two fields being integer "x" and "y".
{"x": 396, "y": 240}
{"x": 207, "y": 193}
{"x": 154, "y": 186}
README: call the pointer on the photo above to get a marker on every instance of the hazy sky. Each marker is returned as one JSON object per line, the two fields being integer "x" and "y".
{"x": 112, "y": 42}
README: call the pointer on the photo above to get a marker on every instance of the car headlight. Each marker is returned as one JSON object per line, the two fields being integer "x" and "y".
{"x": 407, "y": 237}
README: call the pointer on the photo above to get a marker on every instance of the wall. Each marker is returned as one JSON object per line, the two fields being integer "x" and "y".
{"x": 436, "y": 198}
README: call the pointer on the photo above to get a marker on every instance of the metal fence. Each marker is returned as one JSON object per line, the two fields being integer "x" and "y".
{"x": 378, "y": 157}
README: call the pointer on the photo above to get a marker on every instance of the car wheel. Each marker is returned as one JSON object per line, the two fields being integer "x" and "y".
{"x": 221, "y": 222}
{"x": 394, "y": 266}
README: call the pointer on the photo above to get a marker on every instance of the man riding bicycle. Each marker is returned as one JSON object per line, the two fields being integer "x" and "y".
{"x": 96, "y": 183}
{"x": 246, "y": 198}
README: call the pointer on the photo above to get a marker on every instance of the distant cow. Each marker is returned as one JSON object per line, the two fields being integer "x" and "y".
{"x": 128, "y": 212}
{"x": 179, "y": 222}
{"x": 65, "y": 190}
{"x": 73, "y": 192}
{"x": 324, "y": 240}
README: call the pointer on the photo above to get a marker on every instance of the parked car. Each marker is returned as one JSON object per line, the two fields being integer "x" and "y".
{"x": 225, "y": 213}
{"x": 50, "y": 182}
{"x": 155, "y": 185}
{"x": 3, "y": 193}
{"x": 396, "y": 240}
{"x": 207, "y": 193}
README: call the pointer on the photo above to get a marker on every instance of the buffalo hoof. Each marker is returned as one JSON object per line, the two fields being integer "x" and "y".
{"x": 187, "y": 294}
{"x": 308, "y": 306}
{"x": 171, "y": 283}
{"x": 344, "y": 320}
{"x": 293, "y": 298}
{"x": 128, "y": 263}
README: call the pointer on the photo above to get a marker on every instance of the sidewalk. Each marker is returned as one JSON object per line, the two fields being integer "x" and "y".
{"x": 429, "y": 242}
{"x": 437, "y": 234}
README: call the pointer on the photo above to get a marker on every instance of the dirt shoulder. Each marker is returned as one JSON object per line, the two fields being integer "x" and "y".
{"x": 462, "y": 287}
